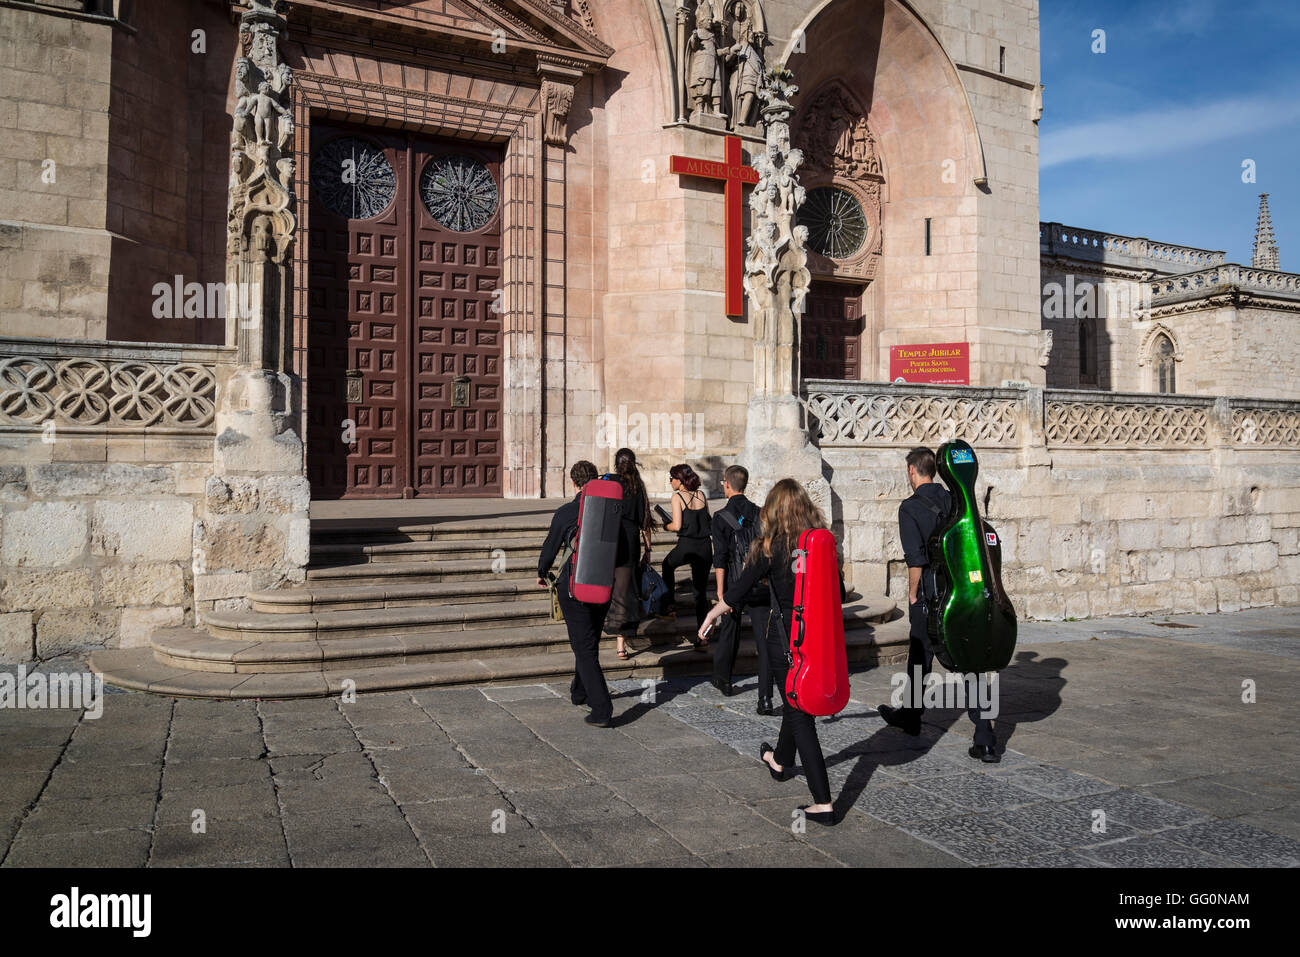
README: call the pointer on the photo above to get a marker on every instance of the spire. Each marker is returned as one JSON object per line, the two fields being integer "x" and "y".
{"x": 1264, "y": 255}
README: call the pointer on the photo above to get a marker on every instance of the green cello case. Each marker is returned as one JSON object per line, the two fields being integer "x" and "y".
{"x": 972, "y": 624}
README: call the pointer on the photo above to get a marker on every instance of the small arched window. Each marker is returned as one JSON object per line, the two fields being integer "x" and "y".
{"x": 1163, "y": 355}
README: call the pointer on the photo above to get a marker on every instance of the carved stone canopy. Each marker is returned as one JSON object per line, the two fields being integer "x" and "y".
{"x": 835, "y": 138}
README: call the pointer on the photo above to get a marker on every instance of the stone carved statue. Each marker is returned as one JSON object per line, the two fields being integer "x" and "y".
{"x": 720, "y": 58}
{"x": 776, "y": 264}
{"x": 835, "y": 137}
{"x": 704, "y": 76}
{"x": 745, "y": 60}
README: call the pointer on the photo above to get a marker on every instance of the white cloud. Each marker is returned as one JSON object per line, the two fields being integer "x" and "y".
{"x": 1158, "y": 132}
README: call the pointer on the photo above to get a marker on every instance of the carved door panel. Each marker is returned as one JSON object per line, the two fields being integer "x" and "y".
{"x": 457, "y": 320}
{"x": 358, "y": 341}
{"x": 832, "y": 332}
{"x": 404, "y": 338}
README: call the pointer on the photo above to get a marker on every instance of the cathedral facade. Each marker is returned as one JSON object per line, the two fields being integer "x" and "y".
{"x": 259, "y": 253}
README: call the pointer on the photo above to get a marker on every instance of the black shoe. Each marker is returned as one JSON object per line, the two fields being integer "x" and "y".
{"x": 723, "y": 686}
{"x": 985, "y": 753}
{"x": 821, "y": 817}
{"x": 577, "y": 702}
{"x": 597, "y": 722}
{"x": 905, "y": 719}
{"x": 785, "y": 774}
{"x": 764, "y": 707}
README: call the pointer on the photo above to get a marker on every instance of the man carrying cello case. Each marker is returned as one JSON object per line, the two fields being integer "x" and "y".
{"x": 918, "y": 518}
{"x": 589, "y": 524}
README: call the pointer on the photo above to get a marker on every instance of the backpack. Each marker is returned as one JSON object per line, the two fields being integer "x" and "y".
{"x": 817, "y": 681}
{"x": 743, "y": 533}
{"x": 595, "y": 544}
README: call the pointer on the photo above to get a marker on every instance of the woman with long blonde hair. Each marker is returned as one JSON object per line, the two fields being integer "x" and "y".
{"x": 787, "y": 513}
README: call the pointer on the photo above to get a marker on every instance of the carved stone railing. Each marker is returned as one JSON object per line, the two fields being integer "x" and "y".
{"x": 1263, "y": 424}
{"x": 848, "y": 414}
{"x": 1126, "y": 420}
{"x": 1206, "y": 282}
{"x": 116, "y": 387}
{"x": 1055, "y": 239}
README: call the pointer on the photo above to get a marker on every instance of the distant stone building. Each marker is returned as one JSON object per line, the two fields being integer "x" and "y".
{"x": 1130, "y": 315}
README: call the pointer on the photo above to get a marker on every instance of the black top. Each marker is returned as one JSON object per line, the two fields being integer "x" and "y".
{"x": 780, "y": 571}
{"x": 695, "y": 521}
{"x": 635, "y": 511}
{"x": 564, "y": 525}
{"x": 740, "y": 507}
{"x": 917, "y": 521}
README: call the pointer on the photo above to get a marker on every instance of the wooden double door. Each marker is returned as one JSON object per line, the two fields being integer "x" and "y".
{"x": 404, "y": 326}
{"x": 831, "y": 346}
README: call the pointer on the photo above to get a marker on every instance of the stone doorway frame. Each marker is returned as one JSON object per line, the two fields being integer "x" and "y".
{"x": 319, "y": 97}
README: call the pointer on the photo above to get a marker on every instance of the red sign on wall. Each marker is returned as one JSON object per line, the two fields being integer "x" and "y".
{"x": 939, "y": 363}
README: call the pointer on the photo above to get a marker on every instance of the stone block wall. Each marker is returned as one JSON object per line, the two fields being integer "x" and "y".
{"x": 96, "y": 553}
{"x": 54, "y": 99}
{"x": 1168, "y": 527}
{"x": 105, "y": 451}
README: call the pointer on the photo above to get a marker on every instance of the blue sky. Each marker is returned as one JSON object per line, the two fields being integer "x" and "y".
{"x": 1148, "y": 138}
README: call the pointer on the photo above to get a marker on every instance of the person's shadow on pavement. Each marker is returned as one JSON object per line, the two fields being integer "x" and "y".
{"x": 1028, "y": 690}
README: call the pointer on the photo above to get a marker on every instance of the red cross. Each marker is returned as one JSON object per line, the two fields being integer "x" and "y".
{"x": 736, "y": 175}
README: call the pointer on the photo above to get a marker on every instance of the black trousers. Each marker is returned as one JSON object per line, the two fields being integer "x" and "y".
{"x": 697, "y": 553}
{"x": 727, "y": 644}
{"x": 584, "y": 623}
{"x": 920, "y": 656}
{"x": 798, "y": 729}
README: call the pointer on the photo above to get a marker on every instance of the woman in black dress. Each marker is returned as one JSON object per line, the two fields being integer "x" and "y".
{"x": 634, "y": 532}
{"x": 787, "y": 513}
{"x": 694, "y": 539}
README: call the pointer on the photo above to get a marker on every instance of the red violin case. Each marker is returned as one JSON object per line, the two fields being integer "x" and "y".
{"x": 595, "y": 547}
{"x": 818, "y": 680}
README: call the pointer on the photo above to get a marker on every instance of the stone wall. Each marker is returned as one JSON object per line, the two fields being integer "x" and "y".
{"x": 105, "y": 449}
{"x": 1106, "y": 505}
{"x": 54, "y": 249}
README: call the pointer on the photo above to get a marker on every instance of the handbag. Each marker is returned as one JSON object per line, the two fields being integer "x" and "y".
{"x": 552, "y": 580}
{"x": 653, "y": 591}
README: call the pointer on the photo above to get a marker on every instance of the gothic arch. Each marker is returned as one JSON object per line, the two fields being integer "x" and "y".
{"x": 827, "y": 10}
{"x": 610, "y": 19}
{"x": 1149, "y": 341}
{"x": 840, "y": 151}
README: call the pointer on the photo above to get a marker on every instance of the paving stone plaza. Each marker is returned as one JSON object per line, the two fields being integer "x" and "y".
{"x": 1141, "y": 720}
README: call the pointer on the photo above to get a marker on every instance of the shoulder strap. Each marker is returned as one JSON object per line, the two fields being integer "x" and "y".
{"x": 938, "y": 512}
{"x": 730, "y": 520}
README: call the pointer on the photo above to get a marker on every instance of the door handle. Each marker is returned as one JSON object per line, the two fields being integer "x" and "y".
{"x": 352, "y": 391}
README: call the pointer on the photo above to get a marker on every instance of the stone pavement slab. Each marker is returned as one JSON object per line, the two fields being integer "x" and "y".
{"x": 1125, "y": 743}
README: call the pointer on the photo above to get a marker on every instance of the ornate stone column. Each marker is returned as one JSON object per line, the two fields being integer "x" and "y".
{"x": 253, "y": 532}
{"x": 777, "y": 281}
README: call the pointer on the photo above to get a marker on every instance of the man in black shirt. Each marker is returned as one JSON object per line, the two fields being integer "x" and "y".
{"x": 739, "y": 513}
{"x": 583, "y": 621}
{"x": 918, "y": 517}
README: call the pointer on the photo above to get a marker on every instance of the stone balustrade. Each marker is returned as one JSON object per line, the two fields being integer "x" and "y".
{"x": 112, "y": 387}
{"x": 1138, "y": 252}
{"x": 884, "y": 415}
{"x": 1205, "y": 282}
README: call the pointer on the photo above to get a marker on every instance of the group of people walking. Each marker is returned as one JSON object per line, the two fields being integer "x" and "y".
{"x": 750, "y": 551}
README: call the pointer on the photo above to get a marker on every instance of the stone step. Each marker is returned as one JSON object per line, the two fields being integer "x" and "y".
{"x": 413, "y": 587}
{"x": 512, "y": 549}
{"x": 315, "y": 598}
{"x": 138, "y": 669}
{"x": 380, "y": 573}
{"x": 200, "y": 651}
{"x": 329, "y": 625}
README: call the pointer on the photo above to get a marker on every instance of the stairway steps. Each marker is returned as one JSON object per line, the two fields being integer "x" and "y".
{"x": 198, "y": 650}
{"x": 305, "y": 600}
{"x": 485, "y": 546}
{"x": 137, "y": 668}
{"x": 331, "y": 625}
